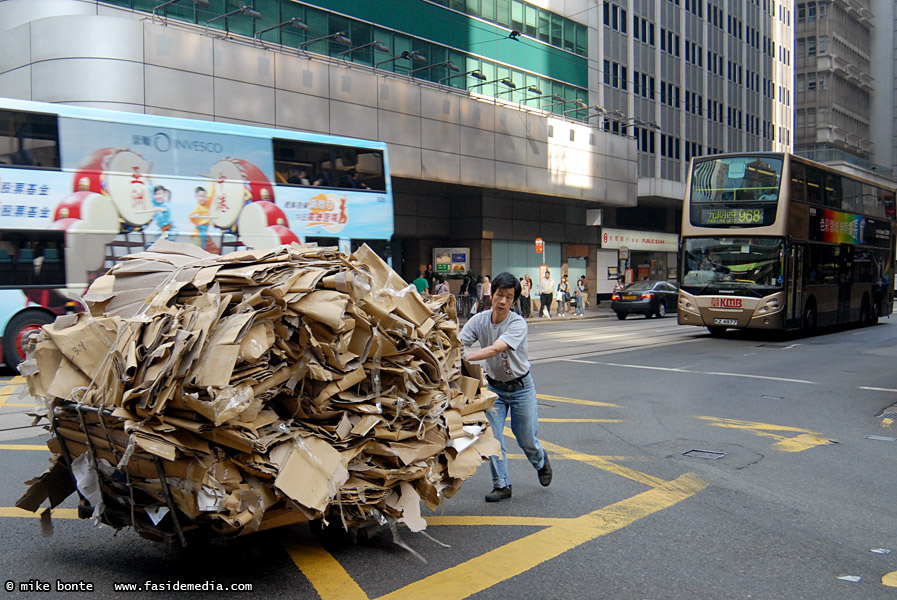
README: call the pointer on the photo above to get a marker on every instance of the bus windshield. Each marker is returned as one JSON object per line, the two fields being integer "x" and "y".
{"x": 751, "y": 265}
{"x": 736, "y": 191}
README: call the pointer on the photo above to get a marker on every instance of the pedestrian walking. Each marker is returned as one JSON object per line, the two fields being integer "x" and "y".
{"x": 502, "y": 336}
{"x": 546, "y": 290}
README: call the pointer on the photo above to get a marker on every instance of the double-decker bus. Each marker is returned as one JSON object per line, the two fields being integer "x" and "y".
{"x": 80, "y": 188}
{"x": 774, "y": 241}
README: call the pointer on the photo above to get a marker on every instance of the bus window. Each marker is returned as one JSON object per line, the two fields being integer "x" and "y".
{"x": 798, "y": 181}
{"x": 814, "y": 186}
{"x": 306, "y": 163}
{"x": 28, "y": 140}
{"x": 833, "y": 190}
{"x": 30, "y": 258}
{"x": 852, "y": 195}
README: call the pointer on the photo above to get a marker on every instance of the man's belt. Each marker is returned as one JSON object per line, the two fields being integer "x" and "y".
{"x": 509, "y": 383}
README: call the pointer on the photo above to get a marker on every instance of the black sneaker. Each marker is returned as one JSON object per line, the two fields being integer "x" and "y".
{"x": 499, "y": 493}
{"x": 545, "y": 472}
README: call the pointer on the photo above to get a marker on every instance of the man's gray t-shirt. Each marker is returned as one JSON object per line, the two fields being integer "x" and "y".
{"x": 513, "y": 362}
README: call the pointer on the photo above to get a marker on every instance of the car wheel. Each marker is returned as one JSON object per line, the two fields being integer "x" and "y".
{"x": 621, "y": 315}
{"x": 661, "y": 310}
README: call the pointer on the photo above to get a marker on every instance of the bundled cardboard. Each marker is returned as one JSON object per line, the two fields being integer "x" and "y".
{"x": 234, "y": 393}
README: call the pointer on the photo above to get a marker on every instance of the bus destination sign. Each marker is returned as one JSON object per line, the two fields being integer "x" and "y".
{"x": 732, "y": 216}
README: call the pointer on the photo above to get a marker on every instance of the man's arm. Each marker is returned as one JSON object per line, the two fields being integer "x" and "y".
{"x": 489, "y": 351}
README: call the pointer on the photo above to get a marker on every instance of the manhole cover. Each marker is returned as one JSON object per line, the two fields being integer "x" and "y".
{"x": 708, "y": 454}
{"x": 888, "y": 415}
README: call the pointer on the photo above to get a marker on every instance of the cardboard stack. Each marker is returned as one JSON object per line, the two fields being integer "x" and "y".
{"x": 229, "y": 394}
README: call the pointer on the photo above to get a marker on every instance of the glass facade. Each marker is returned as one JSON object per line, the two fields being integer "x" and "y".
{"x": 464, "y": 55}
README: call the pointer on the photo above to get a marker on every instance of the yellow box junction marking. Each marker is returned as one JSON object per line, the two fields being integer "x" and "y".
{"x": 804, "y": 440}
{"x": 332, "y": 581}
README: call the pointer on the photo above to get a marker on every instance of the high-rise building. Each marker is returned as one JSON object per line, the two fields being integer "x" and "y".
{"x": 692, "y": 77}
{"x": 833, "y": 83}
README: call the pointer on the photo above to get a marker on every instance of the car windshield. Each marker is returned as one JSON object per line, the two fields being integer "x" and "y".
{"x": 713, "y": 263}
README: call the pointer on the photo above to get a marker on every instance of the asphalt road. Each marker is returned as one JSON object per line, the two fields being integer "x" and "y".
{"x": 685, "y": 467}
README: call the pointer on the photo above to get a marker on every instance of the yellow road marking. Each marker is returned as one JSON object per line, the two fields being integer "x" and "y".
{"x": 56, "y": 513}
{"x": 890, "y": 579}
{"x": 324, "y": 572}
{"x": 886, "y": 422}
{"x": 480, "y": 520}
{"x": 601, "y": 462}
{"x": 805, "y": 439}
{"x": 519, "y": 556}
{"x": 550, "y": 420}
{"x": 575, "y": 401}
{"x": 23, "y": 447}
{"x": 21, "y": 404}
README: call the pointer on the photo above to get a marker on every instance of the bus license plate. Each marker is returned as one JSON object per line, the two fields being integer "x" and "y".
{"x": 725, "y": 322}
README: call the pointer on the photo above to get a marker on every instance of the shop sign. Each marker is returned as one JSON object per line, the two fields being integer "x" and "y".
{"x": 540, "y": 245}
{"x": 639, "y": 240}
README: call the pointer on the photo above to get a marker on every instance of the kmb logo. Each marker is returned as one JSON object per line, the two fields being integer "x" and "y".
{"x": 725, "y": 302}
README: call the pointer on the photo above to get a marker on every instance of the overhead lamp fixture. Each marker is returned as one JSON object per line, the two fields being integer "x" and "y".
{"x": 446, "y": 63}
{"x": 339, "y": 37}
{"x": 295, "y": 23}
{"x": 534, "y": 90}
{"x": 244, "y": 10}
{"x": 556, "y": 99}
{"x": 512, "y": 87}
{"x": 476, "y": 74}
{"x": 414, "y": 56}
{"x": 203, "y": 3}
{"x": 580, "y": 105}
{"x": 504, "y": 81}
{"x": 376, "y": 45}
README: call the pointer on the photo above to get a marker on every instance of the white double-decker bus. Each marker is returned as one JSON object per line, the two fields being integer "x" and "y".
{"x": 80, "y": 188}
{"x": 774, "y": 241}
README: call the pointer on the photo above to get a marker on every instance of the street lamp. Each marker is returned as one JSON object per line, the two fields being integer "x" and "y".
{"x": 243, "y": 10}
{"x": 377, "y": 45}
{"x": 476, "y": 74}
{"x": 504, "y": 81}
{"x": 446, "y": 63}
{"x": 203, "y": 3}
{"x": 295, "y": 23}
{"x": 414, "y": 56}
{"x": 339, "y": 37}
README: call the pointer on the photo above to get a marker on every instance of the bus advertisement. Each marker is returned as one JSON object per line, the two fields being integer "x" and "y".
{"x": 81, "y": 188}
{"x": 777, "y": 242}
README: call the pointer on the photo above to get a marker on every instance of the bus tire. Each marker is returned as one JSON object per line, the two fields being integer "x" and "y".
{"x": 715, "y": 330}
{"x": 865, "y": 317}
{"x": 19, "y": 329}
{"x": 808, "y": 323}
{"x": 874, "y": 312}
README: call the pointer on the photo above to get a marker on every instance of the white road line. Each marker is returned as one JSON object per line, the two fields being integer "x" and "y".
{"x": 875, "y": 389}
{"x": 680, "y": 370}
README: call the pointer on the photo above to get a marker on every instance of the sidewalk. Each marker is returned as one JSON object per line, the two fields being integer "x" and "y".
{"x": 601, "y": 311}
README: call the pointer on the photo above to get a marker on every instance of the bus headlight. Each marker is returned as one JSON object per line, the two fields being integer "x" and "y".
{"x": 770, "y": 306}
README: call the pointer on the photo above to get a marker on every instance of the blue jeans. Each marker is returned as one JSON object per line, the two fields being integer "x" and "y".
{"x": 579, "y": 309}
{"x": 523, "y": 406}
